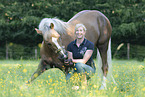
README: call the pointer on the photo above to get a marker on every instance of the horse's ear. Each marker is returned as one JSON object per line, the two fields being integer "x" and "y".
{"x": 52, "y": 26}
{"x": 38, "y": 31}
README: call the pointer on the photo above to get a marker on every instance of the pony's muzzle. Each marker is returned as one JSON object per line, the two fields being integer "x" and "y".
{"x": 63, "y": 56}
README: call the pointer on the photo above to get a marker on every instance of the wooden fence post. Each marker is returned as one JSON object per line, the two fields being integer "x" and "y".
{"x": 35, "y": 53}
{"x": 128, "y": 50}
{"x": 6, "y": 50}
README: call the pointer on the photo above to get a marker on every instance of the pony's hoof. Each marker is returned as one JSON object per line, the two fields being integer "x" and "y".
{"x": 25, "y": 86}
{"x": 103, "y": 87}
{"x": 75, "y": 87}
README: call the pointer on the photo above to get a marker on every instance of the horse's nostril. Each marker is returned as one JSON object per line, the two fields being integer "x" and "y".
{"x": 48, "y": 43}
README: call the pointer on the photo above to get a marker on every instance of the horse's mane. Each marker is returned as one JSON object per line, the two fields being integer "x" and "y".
{"x": 59, "y": 25}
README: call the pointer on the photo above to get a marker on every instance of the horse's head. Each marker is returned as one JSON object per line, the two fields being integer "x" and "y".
{"x": 51, "y": 38}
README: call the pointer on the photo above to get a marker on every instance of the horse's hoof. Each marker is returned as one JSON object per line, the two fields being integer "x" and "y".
{"x": 103, "y": 87}
{"x": 75, "y": 87}
{"x": 25, "y": 86}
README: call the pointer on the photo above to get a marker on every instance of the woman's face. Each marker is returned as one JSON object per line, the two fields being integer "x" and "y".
{"x": 80, "y": 33}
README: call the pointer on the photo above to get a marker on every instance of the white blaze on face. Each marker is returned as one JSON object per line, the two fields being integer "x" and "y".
{"x": 54, "y": 40}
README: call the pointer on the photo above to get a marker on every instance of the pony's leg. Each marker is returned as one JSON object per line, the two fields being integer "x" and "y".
{"x": 103, "y": 53}
{"x": 41, "y": 68}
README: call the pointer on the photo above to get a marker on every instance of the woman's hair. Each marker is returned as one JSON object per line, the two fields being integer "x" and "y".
{"x": 80, "y": 25}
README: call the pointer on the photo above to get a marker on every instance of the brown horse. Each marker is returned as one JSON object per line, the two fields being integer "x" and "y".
{"x": 58, "y": 34}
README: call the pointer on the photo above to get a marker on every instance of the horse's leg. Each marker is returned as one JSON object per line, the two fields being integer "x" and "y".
{"x": 66, "y": 70}
{"x": 103, "y": 53}
{"x": 41, "y": 68}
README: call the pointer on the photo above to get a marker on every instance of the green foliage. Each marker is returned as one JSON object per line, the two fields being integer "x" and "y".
{"x": 15, "y": 51}
{"x": 137, "y": 52}
{"x": 2, "y": 54}
{"x": 127, "y": 18}
{"x": 126, "y": 30}
{"x": 19, "y": 18}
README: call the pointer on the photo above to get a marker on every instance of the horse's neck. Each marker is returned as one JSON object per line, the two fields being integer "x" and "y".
{"x": 68, "y": 36}
{"x": 69, "y": 29}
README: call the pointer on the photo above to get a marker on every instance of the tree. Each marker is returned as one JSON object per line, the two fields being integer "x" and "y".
{"x": 127, "y": 19}
{"x": 19, "y": 18}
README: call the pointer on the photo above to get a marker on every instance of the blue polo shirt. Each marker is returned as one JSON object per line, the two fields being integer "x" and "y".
{"x": 78, "y": 52}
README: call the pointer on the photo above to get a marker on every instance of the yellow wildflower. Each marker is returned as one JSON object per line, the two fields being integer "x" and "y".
{"x": 114, "y": 89}
{"x": 36, "y": 74}
{"x": 50, "y": 80}
{"x": 83, "y": 87}
{"x": 11, "y": 82}
{"x": 91, "y": 94}
{"x": 39, "y": 86}
{"x": 94, "y": 86}
{"x": 39, "y": 45}
{"x": 129, "y": 96}
{"x": 48, "y": 76}
{"x": 8, "y": 72}
{"x": 52, "y": 92}
{"x": 143, "y": 89}
{"x": 24, "y": 70}
{"x": 10, "y": 44}
{"x": 116, "y": 76}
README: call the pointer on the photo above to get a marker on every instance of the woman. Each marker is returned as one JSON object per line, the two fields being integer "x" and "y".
{"x": 80, "y": 52}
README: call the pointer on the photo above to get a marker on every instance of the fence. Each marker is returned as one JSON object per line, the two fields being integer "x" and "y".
{"x": 128, "y": 51}
{"x": 121, "y": 51}
{"x": 19, "y": 52}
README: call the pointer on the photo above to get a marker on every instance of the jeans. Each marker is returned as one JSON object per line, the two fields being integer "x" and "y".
{"x": 81, "y": 68}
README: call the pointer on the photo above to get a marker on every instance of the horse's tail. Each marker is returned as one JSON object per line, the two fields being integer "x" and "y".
{"x": 109, "y": 60}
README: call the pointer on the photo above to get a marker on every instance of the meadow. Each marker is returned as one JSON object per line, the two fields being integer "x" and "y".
{"x": 129, "y": 75}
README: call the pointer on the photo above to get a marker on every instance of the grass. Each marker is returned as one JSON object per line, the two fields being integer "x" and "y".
{"x": 129, "y": 75}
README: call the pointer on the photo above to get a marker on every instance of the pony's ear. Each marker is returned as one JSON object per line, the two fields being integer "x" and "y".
{"x": 52, "y": 26}
{"x": 38, "y": 31}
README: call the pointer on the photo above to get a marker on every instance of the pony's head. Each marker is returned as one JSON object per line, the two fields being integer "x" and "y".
{"x": 51, "y": 29}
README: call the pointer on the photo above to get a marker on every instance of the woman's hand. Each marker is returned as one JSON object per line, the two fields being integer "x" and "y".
{"x": 68, "y": 63}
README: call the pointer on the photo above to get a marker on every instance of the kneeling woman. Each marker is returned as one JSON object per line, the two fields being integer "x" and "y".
{"x": 80, "y": 52}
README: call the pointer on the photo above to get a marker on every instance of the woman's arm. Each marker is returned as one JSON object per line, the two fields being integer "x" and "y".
{"x": 86, "y": 57}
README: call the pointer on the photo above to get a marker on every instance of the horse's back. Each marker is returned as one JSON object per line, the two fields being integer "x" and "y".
{"x": 88, "y": 16}
{"x": 97, "y": 24}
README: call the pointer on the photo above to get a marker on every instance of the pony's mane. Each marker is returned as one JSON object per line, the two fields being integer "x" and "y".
{"x": 59, "y": 25}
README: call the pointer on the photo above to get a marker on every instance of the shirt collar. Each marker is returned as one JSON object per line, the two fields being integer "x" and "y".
{"x": 82, "y": 42}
